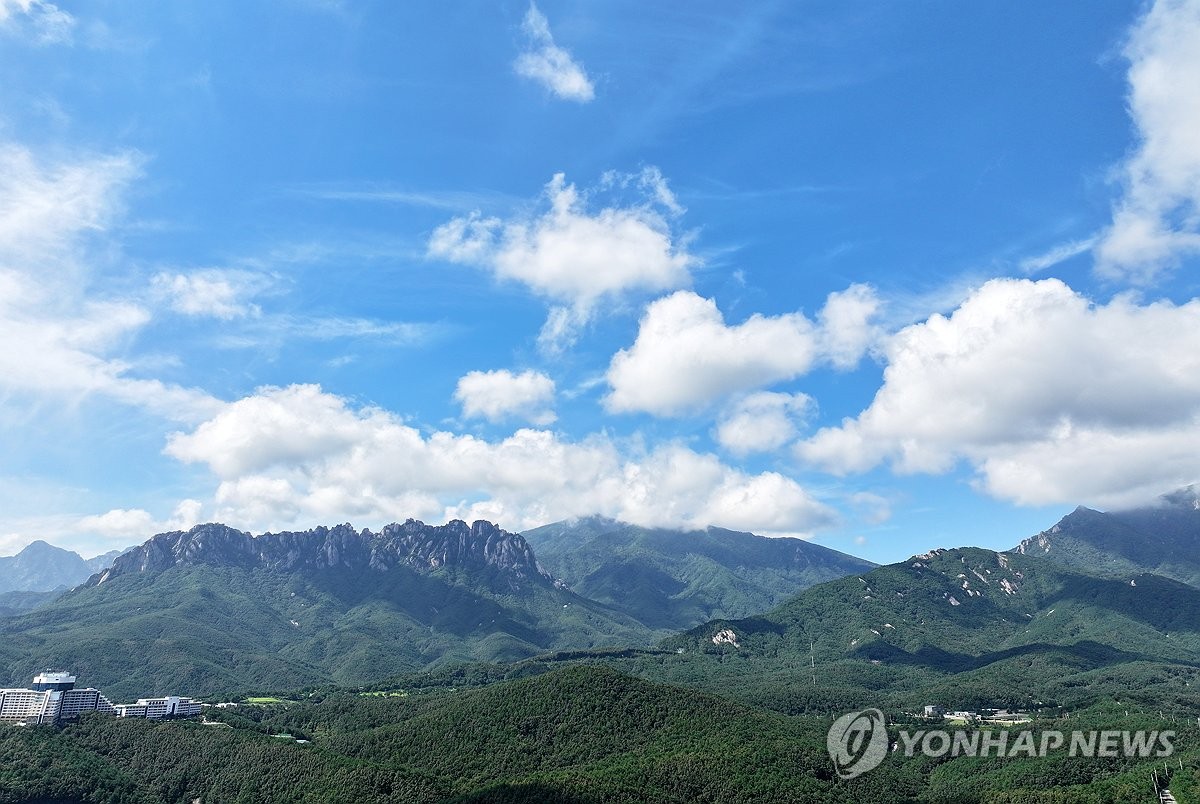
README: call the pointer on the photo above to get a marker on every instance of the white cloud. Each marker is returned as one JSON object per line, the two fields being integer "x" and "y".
{"x": 50, "y": 208}
{"x": 130, "y": 526}
{"x": 48, "y": 23}
{"x": 575, "y": 256}
{"x": 686, "y": 357}
{"x": 873, "y": 508}
{"x": 846, "y": 325}
{"x": 1059, "y": 254}
{"x": 550, "y": 65}
{"x": 215, "y": 293}
{"x": 761, "y": 422}
{"x": 500, "y": 395}
{"x": 1050, "y": 398}
{"x": 227, "y": 293}
{"x": 1157, "y": 220}
{"x": 562, "y": 328}
{"x": 57, "y": 338}
{"x": 288, "y": 456}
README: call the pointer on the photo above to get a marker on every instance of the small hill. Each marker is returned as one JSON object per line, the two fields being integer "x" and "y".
{"x": 1163, "y": 538}
{"x": 673, "y": 579}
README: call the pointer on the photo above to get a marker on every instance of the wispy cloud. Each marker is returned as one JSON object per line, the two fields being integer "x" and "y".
{"x": 49, "y": 24}
{"x": 61, "y": 337}
{"x": 214, "y": 293}
{"x": 375, "y": 193}
{"x": 1060, "y": 253}
{"x": 550, "y": 65}
{"x": 274, "y": 331}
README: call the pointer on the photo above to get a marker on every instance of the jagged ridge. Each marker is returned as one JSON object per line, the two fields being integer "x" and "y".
{"x": 481, "y": 546}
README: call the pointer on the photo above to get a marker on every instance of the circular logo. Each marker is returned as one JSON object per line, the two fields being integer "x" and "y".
{"x": 857, "y": 742}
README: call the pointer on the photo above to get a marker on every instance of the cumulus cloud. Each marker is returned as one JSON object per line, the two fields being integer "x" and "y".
{"x": 575, "y": 256}
{"x": 57, "y": 338}
{"x": 685, "y": 356}
{"x": 548, "y": 64}
{"x": 1157, "y": 220}
{"x": 292, "y": 455}
{"x": 216, "y": 293}
{"x": 127, "y": 526}
{"x": 1052, "y": 399}
{"x": 761, "y": 422}
{"x": 500, "y": 395}
{"x": 48, "y": 23}
{"x": 847, "y": 328}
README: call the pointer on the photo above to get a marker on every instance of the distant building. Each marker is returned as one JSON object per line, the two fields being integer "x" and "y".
{"x": 934, "y": 711}
{"x": 158, "y": 708}
{"x": 52, "y": 697}
{"x": 966, "y": 717}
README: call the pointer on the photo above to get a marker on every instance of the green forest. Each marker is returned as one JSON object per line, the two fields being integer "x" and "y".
{"x": 579, "y": 729}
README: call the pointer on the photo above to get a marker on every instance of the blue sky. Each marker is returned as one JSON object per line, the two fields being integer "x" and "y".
{"x": 889, "y": 276}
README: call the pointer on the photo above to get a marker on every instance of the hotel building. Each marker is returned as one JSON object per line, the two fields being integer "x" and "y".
{"x": 155, "y": 708}
{"x": 52, "y": 697}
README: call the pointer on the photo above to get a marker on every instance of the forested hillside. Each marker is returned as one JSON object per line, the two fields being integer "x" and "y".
{"x": 675, "y": 579}
{"x": 577, "y": 734}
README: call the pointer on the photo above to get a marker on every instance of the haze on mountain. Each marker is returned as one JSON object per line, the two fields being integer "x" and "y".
{"x": 42, "y": 567}
{"x": 41, "y": 572}
{"x": 674, "y": 579}
{"x": 1162, "y": 538}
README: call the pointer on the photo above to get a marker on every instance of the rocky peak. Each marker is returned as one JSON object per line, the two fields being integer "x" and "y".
{"x": 481, "y": 548}
{"x": 1081, "y": 520}
{"x": 455, "y": 544}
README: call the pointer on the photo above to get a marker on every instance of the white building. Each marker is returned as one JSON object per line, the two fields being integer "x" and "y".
{"x": 52, "y": 697}
{"x": 157, "y": 708}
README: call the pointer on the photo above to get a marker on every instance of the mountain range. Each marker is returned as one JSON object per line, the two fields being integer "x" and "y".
{"x": 214, "y": 608}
